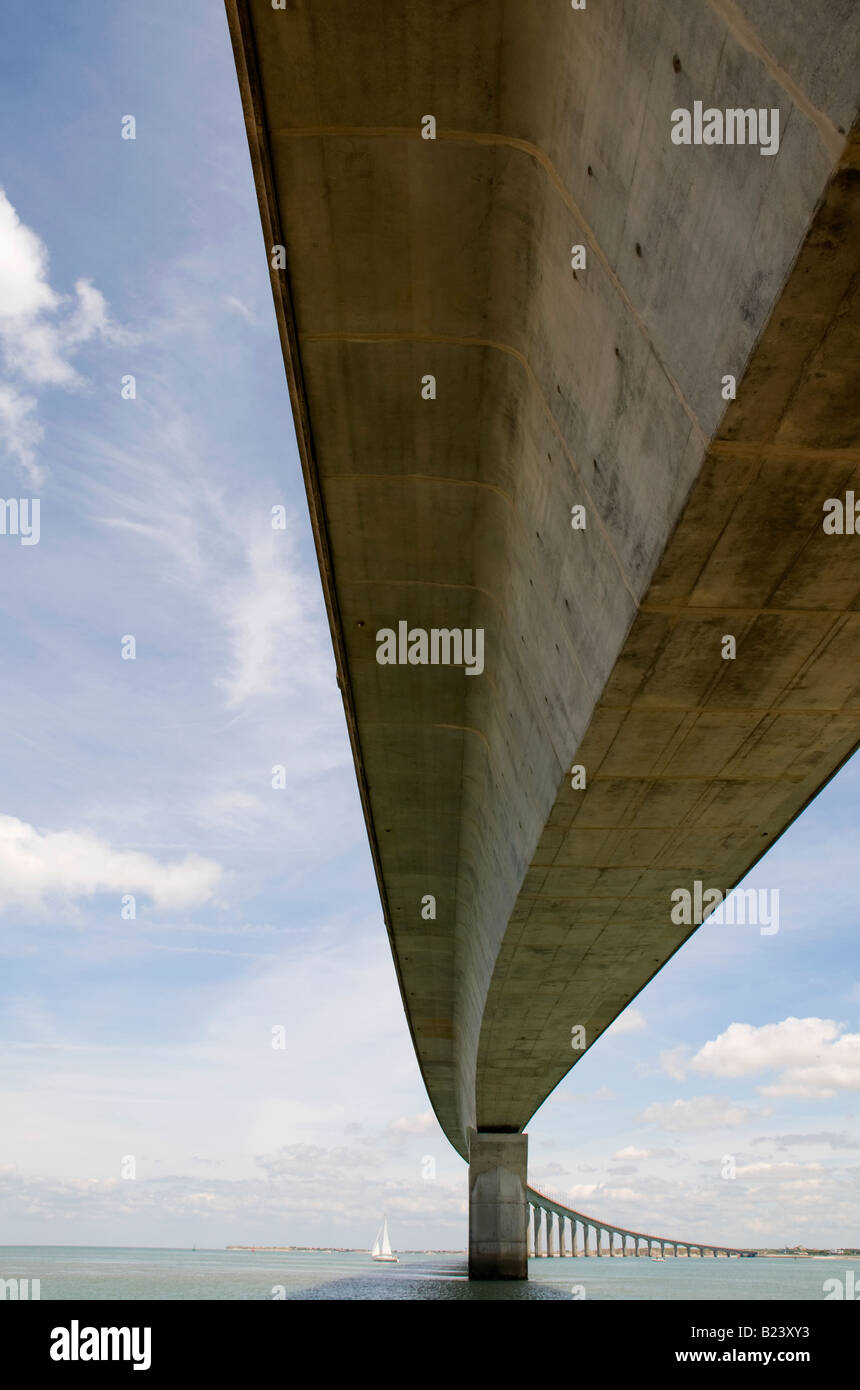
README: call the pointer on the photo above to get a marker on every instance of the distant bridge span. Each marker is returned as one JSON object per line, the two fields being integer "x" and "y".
{"x": 563, "y": 383}
{"x": 547, "y": 1225}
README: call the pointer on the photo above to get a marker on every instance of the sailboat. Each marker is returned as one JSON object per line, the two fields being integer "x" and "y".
{"x": 382, "y": 1247}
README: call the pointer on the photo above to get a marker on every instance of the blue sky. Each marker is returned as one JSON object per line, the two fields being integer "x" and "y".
{"x": 256, "y": 908}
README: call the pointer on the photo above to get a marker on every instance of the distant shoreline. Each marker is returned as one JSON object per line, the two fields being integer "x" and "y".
{"x": 331, "y": 1250}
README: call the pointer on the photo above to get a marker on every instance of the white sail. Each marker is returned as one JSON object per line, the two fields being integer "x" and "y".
{"x": 382, "y": 1246}
{"x": 386, "y": 1246}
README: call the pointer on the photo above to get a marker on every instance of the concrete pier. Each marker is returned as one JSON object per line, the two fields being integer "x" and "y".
{"x": 498, "y": 1209}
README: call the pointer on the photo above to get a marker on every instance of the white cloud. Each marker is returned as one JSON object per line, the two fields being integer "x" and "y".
{"x": 826, "y": 1139}
{"x": 815, "y": 1056}
{"x": 36, "y": 867}
{"x": 39, "y": 329}
{"x": 802, "y": 1183}
{"x": 779, "y": 1171}
{"x": 20, "y": 431}
{"x": 263, "y": 603}
{"x": 701, "y": 1112}
{"x": 838, "y": 1071}
{"x": 632, "y": 1152}
{"x": 631, "y": 1021}
{"x": 24, "y": 289}
{"x": 675, "y": 1062}
{"x": 416, "y": 1124}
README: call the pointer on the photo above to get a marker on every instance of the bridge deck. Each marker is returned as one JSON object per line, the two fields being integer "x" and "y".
{"x": 449, "y": 258}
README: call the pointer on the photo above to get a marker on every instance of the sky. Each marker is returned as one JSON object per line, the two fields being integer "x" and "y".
{"x": 232, "y": 1065}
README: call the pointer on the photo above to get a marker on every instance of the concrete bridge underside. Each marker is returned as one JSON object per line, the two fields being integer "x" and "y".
{"x": 408, "y": 257}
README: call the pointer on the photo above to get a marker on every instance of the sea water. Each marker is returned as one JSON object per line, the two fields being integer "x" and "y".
{"x": 95, "y": 1273}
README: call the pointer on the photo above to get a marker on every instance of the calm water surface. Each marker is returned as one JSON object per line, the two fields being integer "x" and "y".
{"x": 81, "y": 1272}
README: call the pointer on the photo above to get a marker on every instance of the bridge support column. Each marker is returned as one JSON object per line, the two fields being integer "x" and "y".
{"x": 530, "y": 1218}
{"x": 562, "y": 1233}
{"x": 498, "y": 1209}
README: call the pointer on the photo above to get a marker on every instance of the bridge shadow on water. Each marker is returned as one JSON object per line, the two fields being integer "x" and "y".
{"x": 426, "y": 1288}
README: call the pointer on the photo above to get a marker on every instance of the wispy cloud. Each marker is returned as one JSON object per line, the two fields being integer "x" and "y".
{"x": 162, "y": 491}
